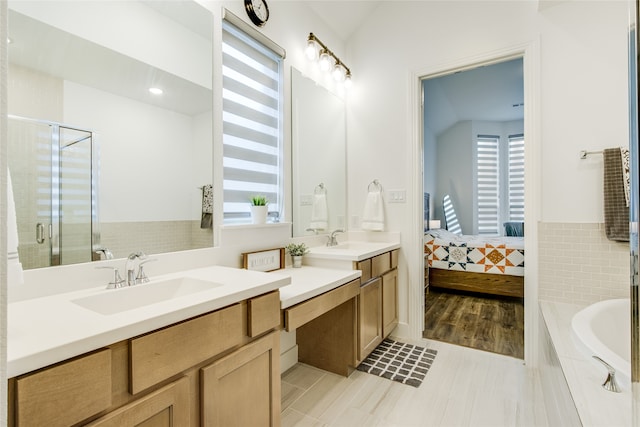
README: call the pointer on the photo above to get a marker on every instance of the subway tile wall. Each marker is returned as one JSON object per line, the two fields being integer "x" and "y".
{"x": 122, "y": 238}
{"x": 578, "y": 265}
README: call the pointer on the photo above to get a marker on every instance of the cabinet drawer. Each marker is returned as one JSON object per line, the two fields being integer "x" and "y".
{"x": 394, "y": 258}
{"x": 65, "y": 394}
{"x": 168, "y": 406}
{"x": 167, "y": 352}
{"x": 304, "y": 312}
{"x": 365, "y": 267}
{"x": 264, "y": 313}
{"x": 380, "y": 264}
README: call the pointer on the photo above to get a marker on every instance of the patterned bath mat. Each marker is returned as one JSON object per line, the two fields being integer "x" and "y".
{"x": 396, "y": 361}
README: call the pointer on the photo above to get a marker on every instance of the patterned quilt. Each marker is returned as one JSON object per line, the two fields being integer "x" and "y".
{"x": 477, "y": 254}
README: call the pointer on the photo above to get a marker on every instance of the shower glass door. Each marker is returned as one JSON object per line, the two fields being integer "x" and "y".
{"x": 75, "y": 196}
{"x": 54, "y": 176}
{"x": 30, "y": 159}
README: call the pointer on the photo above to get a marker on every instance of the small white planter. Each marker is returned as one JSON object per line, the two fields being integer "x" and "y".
{"x": 297, "y": 261}
{"x": 259, "y": 214}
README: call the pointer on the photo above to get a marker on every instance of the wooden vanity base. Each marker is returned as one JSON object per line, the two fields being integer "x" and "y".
{"x": 329, "y": 342}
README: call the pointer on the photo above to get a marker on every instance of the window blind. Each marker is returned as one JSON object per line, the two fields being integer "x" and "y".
{"x": 516, "y": 177}
{"x": 488, "y": 184}
{"x": 252, "y": 124}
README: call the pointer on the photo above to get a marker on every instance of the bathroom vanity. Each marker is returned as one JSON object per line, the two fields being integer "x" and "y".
{"x": 338, "y": 329}
{"x": 210, "y": 368}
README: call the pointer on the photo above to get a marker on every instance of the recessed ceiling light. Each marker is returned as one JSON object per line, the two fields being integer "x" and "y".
{"x": 9, "y": 41}
{"x": 155, "y": 90}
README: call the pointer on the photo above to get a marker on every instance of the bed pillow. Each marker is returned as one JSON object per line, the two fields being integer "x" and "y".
{"x": 444, "y": 235}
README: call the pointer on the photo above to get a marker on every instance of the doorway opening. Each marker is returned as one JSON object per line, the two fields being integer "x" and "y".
{"x": 474, "y": 160}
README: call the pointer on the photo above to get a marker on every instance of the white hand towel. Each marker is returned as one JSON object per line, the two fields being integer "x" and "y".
{"x": 373, "y": 216}
{"x": 319, "y": 212}
{"x": 14, "y": 267}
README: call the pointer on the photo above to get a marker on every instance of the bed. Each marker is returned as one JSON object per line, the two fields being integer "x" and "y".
{"x": 484, "y": 264}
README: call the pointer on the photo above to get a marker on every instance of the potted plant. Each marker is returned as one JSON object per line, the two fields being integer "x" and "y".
{"x": 259, "y": 209}
{"x": 296, "y": 250}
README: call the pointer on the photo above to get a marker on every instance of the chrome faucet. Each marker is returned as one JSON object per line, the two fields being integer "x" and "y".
{"x": 130, "y": 266}
{"x": 332, "y": 241}
{"x": 610, "y": 383}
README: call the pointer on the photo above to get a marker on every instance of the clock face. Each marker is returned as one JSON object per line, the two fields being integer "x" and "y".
{"x": 257, "y": 10}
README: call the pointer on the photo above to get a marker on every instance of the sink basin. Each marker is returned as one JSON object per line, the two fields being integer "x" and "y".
{"x": 351, "y": 250}
{"x": 119, "y": 300}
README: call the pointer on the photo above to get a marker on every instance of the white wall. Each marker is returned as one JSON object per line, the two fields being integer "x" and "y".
{"x": 582, "y": 96}
{"x": 136, "y": 137}
{"x": 455, "y": 173}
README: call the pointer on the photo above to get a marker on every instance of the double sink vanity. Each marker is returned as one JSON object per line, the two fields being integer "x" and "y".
{"x": 199, "y": 347}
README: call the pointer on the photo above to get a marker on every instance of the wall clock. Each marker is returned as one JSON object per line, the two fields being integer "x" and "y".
{"x": 258, "y": 11}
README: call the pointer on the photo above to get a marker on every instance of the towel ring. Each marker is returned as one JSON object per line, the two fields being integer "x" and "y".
{"x": 375, "y": 183}
{"x": 320, "y": 189}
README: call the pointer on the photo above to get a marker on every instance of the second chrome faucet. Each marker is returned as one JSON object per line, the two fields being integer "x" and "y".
{"x": 332, "y": 241}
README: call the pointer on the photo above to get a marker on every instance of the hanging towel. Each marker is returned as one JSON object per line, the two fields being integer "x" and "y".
{"x": 319, "y": 212}
{"x": 373, "y": 216}
{"x": 616, "y": 212}
{"x": 14, "y": 266}
{"x": 207, "y": 207}
{"x": 626, "y": 178}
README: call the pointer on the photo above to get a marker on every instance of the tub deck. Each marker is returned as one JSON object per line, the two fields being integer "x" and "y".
{"x": 595, "y": 406}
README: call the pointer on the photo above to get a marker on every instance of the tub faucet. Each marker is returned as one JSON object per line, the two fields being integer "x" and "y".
{"x": 610, "y": 383}
{"x": 130, "y": 266}
{"x": 332, "y": 241}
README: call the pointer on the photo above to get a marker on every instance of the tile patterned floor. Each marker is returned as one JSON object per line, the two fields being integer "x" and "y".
{"x": 464, "y": 387}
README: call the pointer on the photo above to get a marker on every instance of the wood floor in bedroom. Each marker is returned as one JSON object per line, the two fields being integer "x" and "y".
{"x": 494, "y": 324}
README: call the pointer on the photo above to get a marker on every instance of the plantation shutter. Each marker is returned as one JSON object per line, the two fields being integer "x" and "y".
{"x": 252, "y": 124}
{"x": 516, "y": 178}
{"x": 487, "y": 184}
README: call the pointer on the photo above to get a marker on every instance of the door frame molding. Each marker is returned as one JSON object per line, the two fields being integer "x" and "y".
{"x": 530, "y": 53}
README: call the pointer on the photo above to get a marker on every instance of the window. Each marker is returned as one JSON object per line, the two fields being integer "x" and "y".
{"x": 499, "y": 178}
{"x": 252, "y": 124}
{"x": 488, "y": 184}
{"x": 516, "y": 178}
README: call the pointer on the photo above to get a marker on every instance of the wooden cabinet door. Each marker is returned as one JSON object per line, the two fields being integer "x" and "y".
{"x": 389, "y": 302}
{"x": 165, "y": 407}
{"x": 243, "y": 388}
{"x": 369, "y": 317}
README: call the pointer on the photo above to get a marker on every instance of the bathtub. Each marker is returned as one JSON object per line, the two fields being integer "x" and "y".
{"x": 603, "y": 329}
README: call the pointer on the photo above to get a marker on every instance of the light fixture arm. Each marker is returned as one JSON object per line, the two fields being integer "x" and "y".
{"x": 312, "y": 38}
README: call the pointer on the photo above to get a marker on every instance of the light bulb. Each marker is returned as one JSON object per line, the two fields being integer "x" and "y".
{"x": 311, "y": 50}
{"x": 347, "y": 81}
{"x": 156, "y": 90}
{"x": 338, "y": 73}
{"x": 325, "y": 61}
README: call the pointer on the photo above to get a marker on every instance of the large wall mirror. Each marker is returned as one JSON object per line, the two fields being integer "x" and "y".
{"x": 319, "y": 157}
{"x": 96, "y": 159}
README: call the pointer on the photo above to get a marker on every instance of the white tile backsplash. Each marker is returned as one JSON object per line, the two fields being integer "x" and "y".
{"x": 578, "y": 265}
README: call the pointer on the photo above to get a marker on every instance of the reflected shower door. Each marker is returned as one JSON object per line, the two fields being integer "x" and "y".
{"x": 54, "y": 175}
{"x": 30, "y": 164}
{"x": 75, "y": 196}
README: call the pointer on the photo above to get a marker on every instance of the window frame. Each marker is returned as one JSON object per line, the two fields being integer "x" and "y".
{"x": 276, "y": 209}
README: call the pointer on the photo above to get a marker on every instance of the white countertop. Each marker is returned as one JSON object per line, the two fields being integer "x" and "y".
{"x": 308, "y": 282}
{"x": 47, "y": 330}
{"x": 351, "y": 250}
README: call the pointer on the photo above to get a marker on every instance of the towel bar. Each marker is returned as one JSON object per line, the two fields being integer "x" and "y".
{"x": 585, "y": 153}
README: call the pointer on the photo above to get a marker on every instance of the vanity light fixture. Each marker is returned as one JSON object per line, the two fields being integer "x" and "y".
{"x": 156, "y": 90}
{"x": 327, "y": 60}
